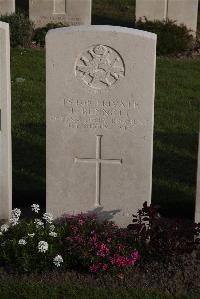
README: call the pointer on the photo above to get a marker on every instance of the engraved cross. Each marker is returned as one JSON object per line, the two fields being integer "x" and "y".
{"x": 98, "y": 161}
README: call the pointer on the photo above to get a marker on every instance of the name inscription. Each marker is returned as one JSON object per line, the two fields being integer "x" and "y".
{"x": 102, "y": 114}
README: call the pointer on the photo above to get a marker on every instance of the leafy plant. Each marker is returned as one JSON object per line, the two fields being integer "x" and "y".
{"x": 21, "y": 29}
{"x": 40, "y": 33}
{"x": 171, "y": 38}
{"x": 163, "y": 237}
{"x": 73, "y": 242}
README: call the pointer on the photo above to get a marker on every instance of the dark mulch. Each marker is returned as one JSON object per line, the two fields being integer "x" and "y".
{"x": 180, "y": 276}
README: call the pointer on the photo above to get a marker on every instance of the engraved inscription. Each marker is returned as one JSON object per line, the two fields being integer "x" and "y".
{"x": 98, "y": 161}
{"x": 93, "y": 114}
{"x": 100, "y": 67}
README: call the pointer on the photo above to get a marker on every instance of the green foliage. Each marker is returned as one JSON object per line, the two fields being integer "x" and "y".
{"x": 21, "y": 29}
{"x": 79, "y": 242}
{"x": 40, "y": 33}
{"x": 171, "y": 38}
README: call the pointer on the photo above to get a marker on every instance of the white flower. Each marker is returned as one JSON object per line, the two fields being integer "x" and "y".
{"x": 53, "y": 234}
{"x": 48, "y": 217}
{"x": 14, "y": 221}
{"x": 51, "y": 227}
{"x": 15, "y": 214}
{"x": 57, "y": 260}
{"x": 31, "y": 235}
{"x": 43, "y": 246}
{"x": 38, "y": 223}
{"x": 1, "y": 234}
{"x": 22, "y": 242}
{"x": 4, "y": 228}
{"x": 35, "y": 208}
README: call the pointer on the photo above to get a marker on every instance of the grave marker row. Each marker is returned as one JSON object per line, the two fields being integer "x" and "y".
{"x": 183, "y": 11}
{"x": 100, "y": 112}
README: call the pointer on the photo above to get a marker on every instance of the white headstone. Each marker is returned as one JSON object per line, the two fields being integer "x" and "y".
{"x": 7, "y": 7}
{"x": 184, "y": 12}
{"x": 100, "y": 111}
{"x": 79, "y": 12}
{"x": 70, "y": 12}
{"x": 197, "y": 210}
{"x": 5, "y": 124}
{"x": 151, "y": 9}
{"x": 43, "y": 12}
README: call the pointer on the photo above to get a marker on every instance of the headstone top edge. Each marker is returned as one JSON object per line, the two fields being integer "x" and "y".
{"x": 4, "y": 25}
{"x": 103, "y": 28}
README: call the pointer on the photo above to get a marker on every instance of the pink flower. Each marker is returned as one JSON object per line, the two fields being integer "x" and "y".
{"x": 81, "y": 221}
{"x": 121, "y": 247}
{"x": 103, "y": 250}
{"x": 123, "y": 261}
{"x": 79, "y": 238}
{"x": 94, "y": 268}
{"x": 119, "y": 261}
{"x": 104, "y": 267}
{"x": 134, "y": 257}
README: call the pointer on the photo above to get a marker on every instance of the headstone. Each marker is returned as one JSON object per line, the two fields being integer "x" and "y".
{"x": 197, "y": 210}
{"x": 5, "y": 124}
{"x": 151, "y": 9}
{"x": 79, "y": 12}
{"x": 43, "y": 12}
{"x": 7, "y": 7}
{"x": 184, "y": 12}
{"x": 69, "y": 12}
{"x": 100, "y": 108}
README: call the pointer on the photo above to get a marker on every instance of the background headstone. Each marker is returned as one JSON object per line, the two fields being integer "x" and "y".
{"x": 197, "y": 210}
{"x": 7, "y": 7}
{"x": 100, "y": 108}
{"x": 184, "y": 12}
{"x": 5, "y": 129}
{"x": 43, "y": 12}
{"x": 71, "y": 12}
{"x": 79, "y": 12}
{"x": 151, "y": 9}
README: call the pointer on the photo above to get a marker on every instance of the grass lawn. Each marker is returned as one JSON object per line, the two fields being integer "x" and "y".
{"x": 41, "y": 290}
{"x": 177, "y": 113}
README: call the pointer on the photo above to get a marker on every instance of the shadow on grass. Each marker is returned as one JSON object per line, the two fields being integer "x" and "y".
{"x": 174, "y": 173}
{"x": 29, "y": 166}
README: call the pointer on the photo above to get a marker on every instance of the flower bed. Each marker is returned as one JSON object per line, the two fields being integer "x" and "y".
{"x": 84, "y": 244}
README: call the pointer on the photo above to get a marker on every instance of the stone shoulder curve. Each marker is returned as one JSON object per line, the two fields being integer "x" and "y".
{"x": 103, "y": 28}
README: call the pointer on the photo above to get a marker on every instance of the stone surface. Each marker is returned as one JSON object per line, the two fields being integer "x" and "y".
{"x": 184, "y": 12}
{"x": 7, "y": 7}
{"x": 71, "y": 12}
{"x": 79, "y": 12}
{"x": 100, "y": 108}
{"x": 197, "y": 210}
{"x": 43, "y": 12}
{"x": 5, "y": 124}
{"x": 151, "y": 9}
